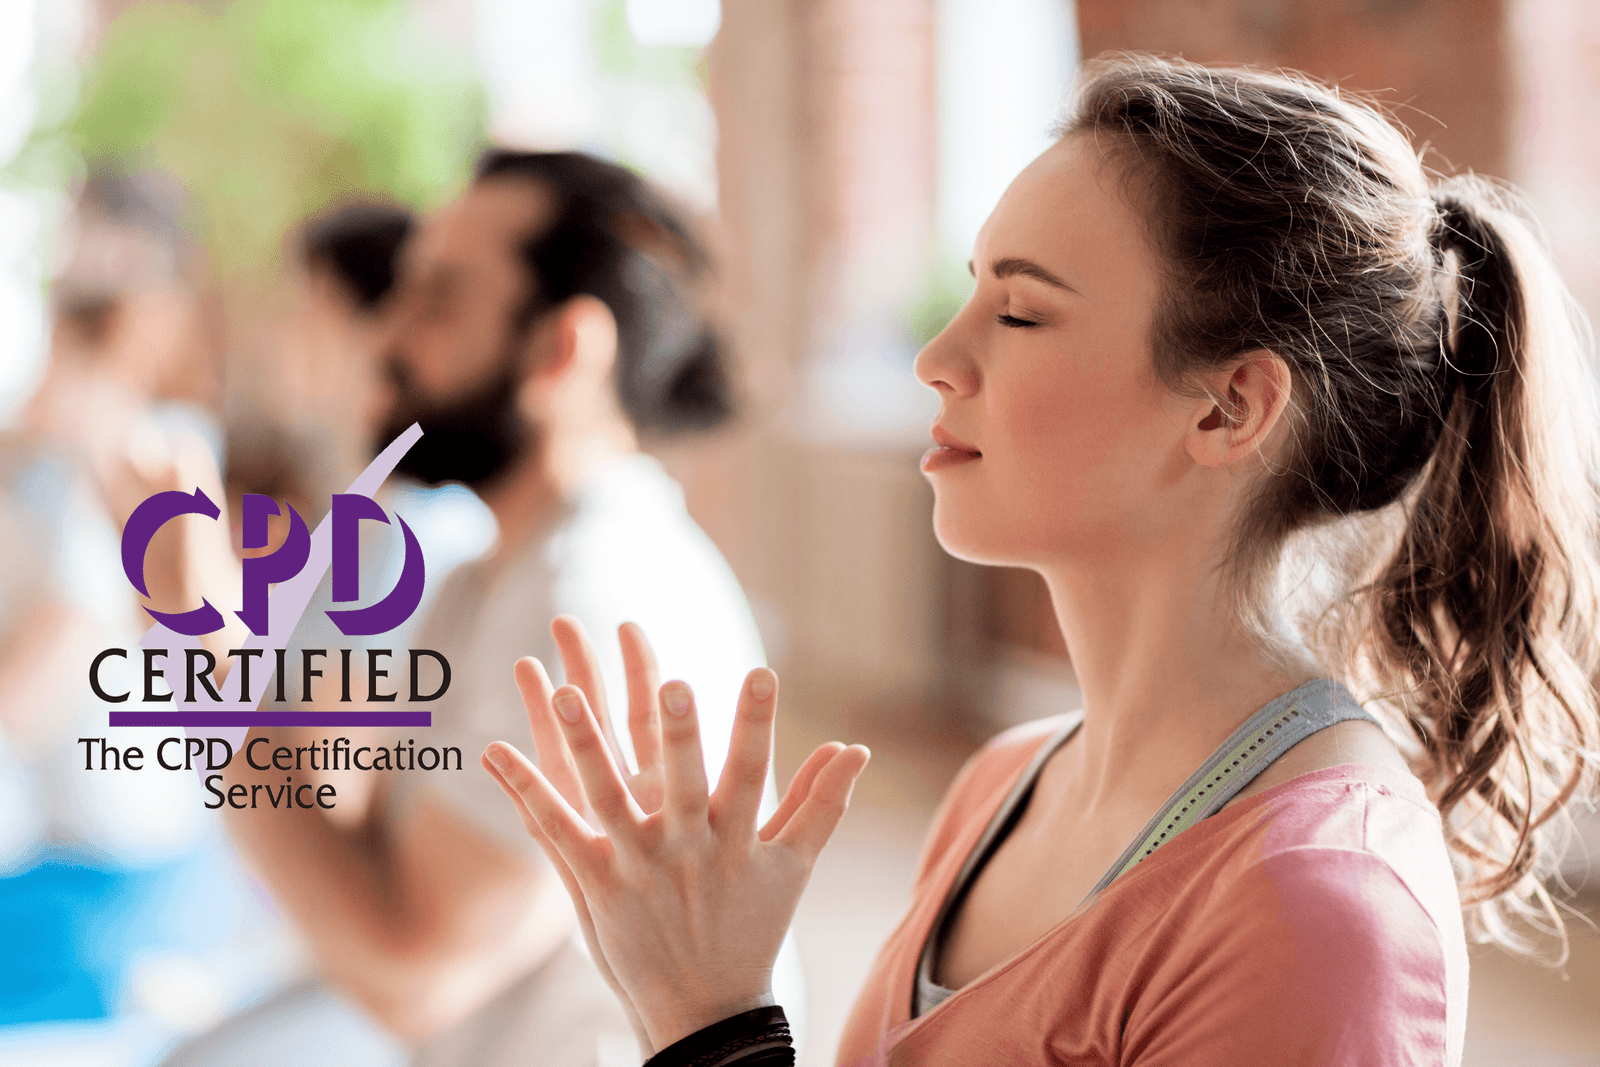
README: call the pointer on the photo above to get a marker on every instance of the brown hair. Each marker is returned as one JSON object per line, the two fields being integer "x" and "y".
{"x": 1442, "y": 398}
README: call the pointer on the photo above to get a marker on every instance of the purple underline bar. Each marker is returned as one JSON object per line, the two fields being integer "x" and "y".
{"x": 271, "y": 718}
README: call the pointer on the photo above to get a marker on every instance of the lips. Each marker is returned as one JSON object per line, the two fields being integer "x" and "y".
{"x": 949, "y": 451}
{"x": 945, "y": 439}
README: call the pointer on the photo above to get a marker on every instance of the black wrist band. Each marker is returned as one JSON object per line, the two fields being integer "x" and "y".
{"x": 756, "y": 1038}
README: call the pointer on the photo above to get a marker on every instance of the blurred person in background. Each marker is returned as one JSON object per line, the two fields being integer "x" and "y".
{"x": 328, "y": 347}
{"x": 111, "y": 877}
{"x": 324, "y": 349}
{"x": 340, "y": 395}
{"x": 323, "y": 355}
{"x": 1273, "y": 412}
{"x": 544, "y": 323}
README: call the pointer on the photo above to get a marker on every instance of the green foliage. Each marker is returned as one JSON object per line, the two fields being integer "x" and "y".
{"x": 944, "y": 290}
{"x": 620, "y": 56}
{"x": 270, "y": 110}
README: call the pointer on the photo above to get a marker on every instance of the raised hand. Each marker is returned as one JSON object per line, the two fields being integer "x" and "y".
{"x": 684, "y": 906}
{"x": 644, "y": 706}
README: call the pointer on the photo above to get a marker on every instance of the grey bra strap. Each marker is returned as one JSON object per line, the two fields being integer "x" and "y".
{"x": 1248, "y": 751}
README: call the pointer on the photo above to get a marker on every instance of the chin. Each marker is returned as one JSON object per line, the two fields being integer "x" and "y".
{"x": 986, "y": 533}
{"x": 973, "y": 542}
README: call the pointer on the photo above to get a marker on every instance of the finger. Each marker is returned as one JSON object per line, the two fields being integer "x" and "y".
{"x": 609, "y": 798}
{"x": 799, "y": 788}
{"x": 569, "y": 881}
{"x": 548, "y": 742}
{"x": 529, "y": 823}
{"x": 744, "y": 773}
{"x": 644, "y": 684}
{"x": 583, "y": 670}
{"x": 580, "y": 902}
{"x": 559, "y": 824}
{"x": 683, "y": 764}
{"x": 825, "y": 805}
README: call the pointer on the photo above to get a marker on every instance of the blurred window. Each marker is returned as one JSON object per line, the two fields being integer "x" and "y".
{"x": 620, "y": 78}
{"x": 37, "y": 41}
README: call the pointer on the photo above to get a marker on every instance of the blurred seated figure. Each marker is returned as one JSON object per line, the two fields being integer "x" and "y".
{"x": 323, "y": 355}
{"x": 120, "y": 902}
{"x": 543, "y": 325}
{"x": 325, "y": 350}
{"x": 328, "y": 346}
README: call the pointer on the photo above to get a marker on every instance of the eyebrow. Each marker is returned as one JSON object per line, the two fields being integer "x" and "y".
{"x": 1010, "y": 266}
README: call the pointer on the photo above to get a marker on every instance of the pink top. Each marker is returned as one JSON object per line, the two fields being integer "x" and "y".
{"x": 1314, "y": 923}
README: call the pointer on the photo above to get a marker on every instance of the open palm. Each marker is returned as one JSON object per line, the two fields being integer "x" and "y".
{"x": 683, "y": 900}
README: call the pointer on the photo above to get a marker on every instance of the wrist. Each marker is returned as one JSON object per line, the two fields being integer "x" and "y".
{"x": 678, "y": 1019}
{"x": 759, "y": 1038}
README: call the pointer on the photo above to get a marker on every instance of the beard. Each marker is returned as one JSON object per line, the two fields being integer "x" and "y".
{"x": 472, "y": 439}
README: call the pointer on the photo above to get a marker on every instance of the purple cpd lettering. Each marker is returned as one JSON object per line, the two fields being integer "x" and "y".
{"x": 348, "y": 511}
{"x": 260, "y": 572}
{"x": 154, "y": 513}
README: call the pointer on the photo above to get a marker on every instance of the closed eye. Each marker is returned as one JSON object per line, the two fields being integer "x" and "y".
{"x": 1013, "y": 322}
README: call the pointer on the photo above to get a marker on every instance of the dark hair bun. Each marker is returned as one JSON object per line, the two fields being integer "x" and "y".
{"x": 616, "y": 239}
{"x": 360, "y": 245}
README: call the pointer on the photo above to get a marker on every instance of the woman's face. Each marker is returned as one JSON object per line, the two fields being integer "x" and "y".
{"x": 1061, "y": 443}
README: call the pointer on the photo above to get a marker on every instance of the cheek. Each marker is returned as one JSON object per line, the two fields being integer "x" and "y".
{"x": 1056, "y": 428}
{"x": 1068, "y": 434}
{"x": 449, "y": 358}
{"x": 1073, "y": 453}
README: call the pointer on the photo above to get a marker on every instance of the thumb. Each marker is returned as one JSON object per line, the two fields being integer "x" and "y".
{"x": 819, "y": 814}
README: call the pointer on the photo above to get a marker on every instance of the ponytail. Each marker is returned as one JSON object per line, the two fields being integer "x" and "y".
{"x": 1483, "y": 621}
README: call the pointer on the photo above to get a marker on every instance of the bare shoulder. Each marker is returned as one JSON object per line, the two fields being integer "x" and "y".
{"x": 1353, "y": 741}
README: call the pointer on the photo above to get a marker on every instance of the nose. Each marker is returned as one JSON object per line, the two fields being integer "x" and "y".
{"x": 945, "y": 364}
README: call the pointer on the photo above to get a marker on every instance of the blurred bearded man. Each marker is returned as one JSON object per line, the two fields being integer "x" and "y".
{"x": 543, "y": 324}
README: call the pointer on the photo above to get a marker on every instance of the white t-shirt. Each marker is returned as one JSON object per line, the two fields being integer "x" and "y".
{"x": 61, "y": 547}
{"x": 623, "y": 550}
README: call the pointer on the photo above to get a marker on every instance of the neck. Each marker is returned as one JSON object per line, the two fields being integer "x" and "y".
{"x": 1167, "y": 668}
{"x": 547, "y": 475}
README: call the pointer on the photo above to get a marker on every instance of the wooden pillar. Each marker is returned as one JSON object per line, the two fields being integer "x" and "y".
{"x": 1556, "y": 147}
{"x": 825, "y": 113}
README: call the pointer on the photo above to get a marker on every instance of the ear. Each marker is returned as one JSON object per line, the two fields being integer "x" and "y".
{"x": 570, "y": 355}
{"x": 577, "y": 339}
{"x": 1247, "y": 399}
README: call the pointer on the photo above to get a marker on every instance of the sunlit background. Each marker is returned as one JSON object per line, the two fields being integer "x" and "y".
{"x": 843, "y": 154}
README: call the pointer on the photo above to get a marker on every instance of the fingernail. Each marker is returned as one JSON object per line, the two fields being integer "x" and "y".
{"x": 761, "y": 686}
{"x": 498, "y": 758}
{"x": 677, "y": 700}
{"x": 570, "y": 707}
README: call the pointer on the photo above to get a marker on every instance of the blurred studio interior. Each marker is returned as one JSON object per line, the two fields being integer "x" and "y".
{"x": 164, "y": 170}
